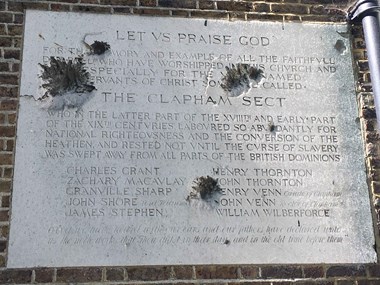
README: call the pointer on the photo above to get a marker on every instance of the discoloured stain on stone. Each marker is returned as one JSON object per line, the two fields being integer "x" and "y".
{"x": 63, "y": 76}
{"x": 65, "y": 79}
{"x": 99, "y": 48}
{"x": 271, "y": 127}
{"x": 239, "y": 78}
{"x": 206, "y": 188}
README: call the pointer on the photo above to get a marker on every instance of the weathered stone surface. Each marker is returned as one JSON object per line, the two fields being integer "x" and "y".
{"x": 161, "y": 141}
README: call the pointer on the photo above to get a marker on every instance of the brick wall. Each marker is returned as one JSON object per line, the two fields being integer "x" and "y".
{"x": 11, "y": 32}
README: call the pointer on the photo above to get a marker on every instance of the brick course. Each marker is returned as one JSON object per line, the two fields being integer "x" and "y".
{"x": 11, "y": 31}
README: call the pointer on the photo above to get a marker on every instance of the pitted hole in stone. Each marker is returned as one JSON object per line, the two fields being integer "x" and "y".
{"x": 240, "y": 78}
{"x": 340, "y": 46}
{"x": 99, "y": 47}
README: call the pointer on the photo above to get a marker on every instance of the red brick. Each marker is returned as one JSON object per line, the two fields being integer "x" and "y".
{"x": 16, "y": 6}
{"x": 119, "y": 2}
{"x": 7, "y": 131}
{"x": 292, "y": 18}
{"x": 12, "y": 53}
{"x": 89, "y": 1}
{"x": 313, "y": 272}
{"x": 368, "y": 113}
{"x": 8, "y": 172}
{"x": 148, "y": 273}
{"x": 345, "y": 282}
{"x": 6, "y": 158}
{"x": 94, "y": 9}
{"x": 180, "y": 13}
{"x": 6, "y": 17}
{"x": 289, "y": 9}
{"x": 19, "y": 19}
{"x": 8, "y": 105}
{"x": 281, "y": 272}
{"x": 357, "y": 30}
{"x": 368, "y": 282}
{"x": 59, "y": 7}
{"x": 188, "y": 4}
{"x": 363, "y": 65}
{"x": 4, "y": 66}
{"x": 17, "y": 42}
{"x": 5, "y": 186}
{"x": 360, "y": 44}
{"x": 256, "y": 283}
{"x": 5, "y": 41}
{"x": 148, "y": 3}
{"x": 122, "y": 10}
{"x": 339, "y": 13}
{"x": 234, "y": 6}
{"x": 15, "y": 67}
{"x": 372, "y": 137}
{"x": 237, "y": 16}
{"x": 4, "y": 231}
{"x": 3, "y": 30}
{"x": 3, "y": 245}
{"x": 261, "y": 7}
{"x": 11, "y": 119}
{"x": 249, "y": 272}
{"x": 369, "y": 125}
{"x": 314, "y": 282}
{"x": 341, "y": 271}
{"x": 209, "y": 14}
{"x": 324, "y": 18}
{"x": 374, "y": 270}
{"x": 317, "y": 1}
{"x": 67, "y": 1}
{"x": 20, "y": 6}
{"x": 5, "y": 201}
{"x": 209, "y": 5}
{"x": 2, "y": 119}
{"x": 8, "y": 79}
{"x": 183, "y": 272}
{"x": 15, "y": 30}
{"x": 79, "y": 275}
{"x": 10, "y": 145}
{"x": 4, "y": 217}
{"x": 10, "y": 92}
{"x": 153, "y": 12}
{"x": 15, "y": 276}
{"x": 269, "y": 17}
{"x": 115, "y": 274}
{"x": 216, "y": 272}
{"x": 374, "y": 162}
{"x": 44, "y": 275}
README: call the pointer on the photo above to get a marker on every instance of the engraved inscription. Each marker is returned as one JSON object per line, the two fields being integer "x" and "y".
{"x": 234, "y": 142}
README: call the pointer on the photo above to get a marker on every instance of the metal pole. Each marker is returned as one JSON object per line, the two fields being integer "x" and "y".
{"x": 367, "y": 11}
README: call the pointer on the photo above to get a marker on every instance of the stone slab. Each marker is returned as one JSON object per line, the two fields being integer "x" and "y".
{"x": 157, "y": 141}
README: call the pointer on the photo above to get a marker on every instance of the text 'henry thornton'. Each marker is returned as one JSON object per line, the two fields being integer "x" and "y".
{"x": 293, "y": 172}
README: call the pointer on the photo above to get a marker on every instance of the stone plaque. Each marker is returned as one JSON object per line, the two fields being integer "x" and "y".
{"x": 148, "y": 141}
